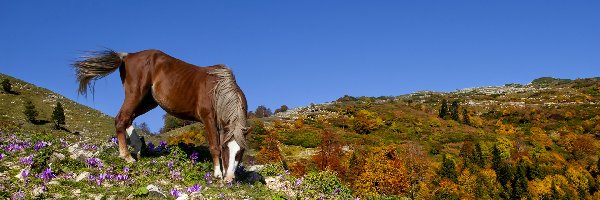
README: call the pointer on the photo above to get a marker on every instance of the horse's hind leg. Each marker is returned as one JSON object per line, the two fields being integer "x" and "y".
{"x": 135, "y": 104}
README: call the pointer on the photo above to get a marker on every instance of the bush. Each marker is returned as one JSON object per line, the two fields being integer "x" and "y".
{"x": 324, "y": 184}
{"x": 364, "y": 122}
{"x": 270, "y": 153}
{"x": 193, "y": 137}
{"x": 272, "y": 169}
{"x": 303, "y": 138}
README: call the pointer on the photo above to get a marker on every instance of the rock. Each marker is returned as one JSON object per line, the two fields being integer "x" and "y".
{"x": 54, "y": 182}
{"x": 82, "y": 176}
{"x": 55, "y": 157}
{"x": 196, "y": 195}
{"x": 255, "y": 168}
{"x": 76, "y": 192}
{"x": 38, "y": 191}
{"x": 183, "y": 196}
{"x": 99, "y": 197}
{"x": 154, "y": 192}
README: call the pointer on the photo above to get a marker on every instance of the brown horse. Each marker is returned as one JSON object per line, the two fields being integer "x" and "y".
{"x": 152, "y": 78}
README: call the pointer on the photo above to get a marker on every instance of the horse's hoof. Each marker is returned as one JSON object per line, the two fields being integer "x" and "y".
{"x": 129, "y": 159}
{"x": 228, "y": 179}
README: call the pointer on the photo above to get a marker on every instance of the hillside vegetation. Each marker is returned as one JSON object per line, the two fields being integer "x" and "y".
{"x": 533, "y": 141}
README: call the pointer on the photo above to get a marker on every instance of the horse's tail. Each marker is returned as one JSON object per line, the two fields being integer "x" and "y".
{"x": 96, "y": 65}
{"x": 229, "y": 106}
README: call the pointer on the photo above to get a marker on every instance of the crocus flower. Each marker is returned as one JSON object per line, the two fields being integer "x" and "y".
{"x": 125, "y": 169}
{"x": 194, "y": 188}
{"x": 170, "y": 164}
{"x": 94, "y": 162}
{"x": 175, "y": 175}
{"x": 39, "y": 145}
{"x": 163, "y": 144}
{"x": 150, "y": 146}
{"x": 47, "y": 175}
{"x": 208, "y": 177}
{"x": 298, "y": 181}
{"x": 1, "y": 156}
{"x": 194, "y": 157}
{"x": 122, "y": 177}
{"x": 222, "y": 196}
{"x": 25, "y": 174}
{"x": 27, "y": 160}
{"x": 18, "y": 195}
{"x": 114, "y": 140}
{"x": 174, "y": 192}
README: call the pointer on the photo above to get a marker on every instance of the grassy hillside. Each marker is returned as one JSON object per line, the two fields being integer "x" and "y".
{"x": 536, "y": 141}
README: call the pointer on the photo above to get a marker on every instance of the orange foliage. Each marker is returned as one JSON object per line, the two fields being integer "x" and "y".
{"x": 269, "y": 152}
{"x": 329, "y": 153}
{"x": 298, "y": 169}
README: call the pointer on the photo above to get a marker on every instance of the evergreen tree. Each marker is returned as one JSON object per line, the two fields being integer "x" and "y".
{"x": 58, "y": 115}
{"x": 448, "y": 169}
{"x": 30, "y": 112}
{"x": 496, "y": 159}
{"x": 262, "y": 111}
{"x": 283, "y": 108}
{"x": 519, "y": 184}
{"x": 466, "y": 118}
{"x": 454, "y": 111}
{"x": 479, "y": 159}
{"x": 6, "y": 86}
{"x": 444, "y": 109}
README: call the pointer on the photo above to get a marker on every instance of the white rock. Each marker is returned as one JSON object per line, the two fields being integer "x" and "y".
{"x": 37, "y": 191}
{"x": 183, "y": 196}
{"x": 76, "y": 192}
{"x": 82, "y": 176}
{"x": 99, "y": 197}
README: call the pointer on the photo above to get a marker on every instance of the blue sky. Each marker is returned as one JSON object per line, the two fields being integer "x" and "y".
{"x": 302, "y": 52}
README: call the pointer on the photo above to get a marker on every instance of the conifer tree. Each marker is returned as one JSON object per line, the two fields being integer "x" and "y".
{"x": 30, "y": 112}
{"x": 466, "y": 118}
{"x": 443, "y": 109}
{"x": 58, "y": 115}
{"x": 519, "y": 185}
{"x": 6, "y": 86}
{"x": 448, "y": 169}
{"x": 479, "y": 159}
{"x": 454, "y": 111}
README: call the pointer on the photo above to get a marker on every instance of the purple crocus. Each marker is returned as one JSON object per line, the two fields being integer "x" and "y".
{"x": 27, "y": 160}
{"x": 39, "y": 145}
{"x": 150, "y": 146}
{"x": 208, "y": 178}
{"x": 90, "y": 147}
{"x": 18, "y": 195}
{"x": 47, "y": 175}
{"x": 170, "y": 164}
{"x": 25, "y": 174}
{"x": 175, "y": 193}
{"x": 1, "y": 156}
{"x": 175, "y": 175}
{"x": 125, "y": 169}
{"x": 94, "y": 162}
{"x": 122, "y": 177}
{"x": 194, "y": 188}
{"x": 299, "y": 181}
{"x": 194, "y": 157}
{"x": 114, "y": 140}
{"x": 63, "y": 142}
{"x": 222, "y": 195}
{"x": 163, "y": 144}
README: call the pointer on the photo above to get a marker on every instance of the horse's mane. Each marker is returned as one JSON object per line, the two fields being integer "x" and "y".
{"x": 229, "y": 107}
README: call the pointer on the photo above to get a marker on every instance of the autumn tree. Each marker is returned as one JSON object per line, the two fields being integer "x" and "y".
{"x": 417, "y": 165}
{"x": 454, "y": 111}
{"x": 262, "y": 111}
{"x": 30, "y": 112}
{"x": 283, "y": 108}
{"x": 58, "y": 115}
{"x": 467, "y": 152}
{"x": 364, "y": 122}
{"x": 443, "y": 109}
{"x": 171, "y": 122}
{"x": 329, "y": 152}
{"x": 383, "y": 173}
{"x": 269, "y": 152}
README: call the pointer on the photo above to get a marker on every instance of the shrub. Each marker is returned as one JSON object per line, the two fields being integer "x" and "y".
{"x": 193, "y": 137}
{"x": 324, "y": 184}
{"x": 303, "y": 138}
{"x": 383, "y": 173}
{"x": 272, "y": 169}
{"x": 364, "y": 122}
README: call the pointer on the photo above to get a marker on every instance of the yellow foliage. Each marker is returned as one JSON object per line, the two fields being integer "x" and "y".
{"x": 467, "y": 184}
{"x": 299, "y": 123}
{"x": 365, "y": 121}
{"x": 383, "y": 173}
{"x": 192, "y": 137}
{"x": 539, "y": 136}
{"x": 505, "y": 129}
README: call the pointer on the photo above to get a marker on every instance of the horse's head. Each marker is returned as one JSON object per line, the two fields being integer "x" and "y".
{"x": 233, "y": 151}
